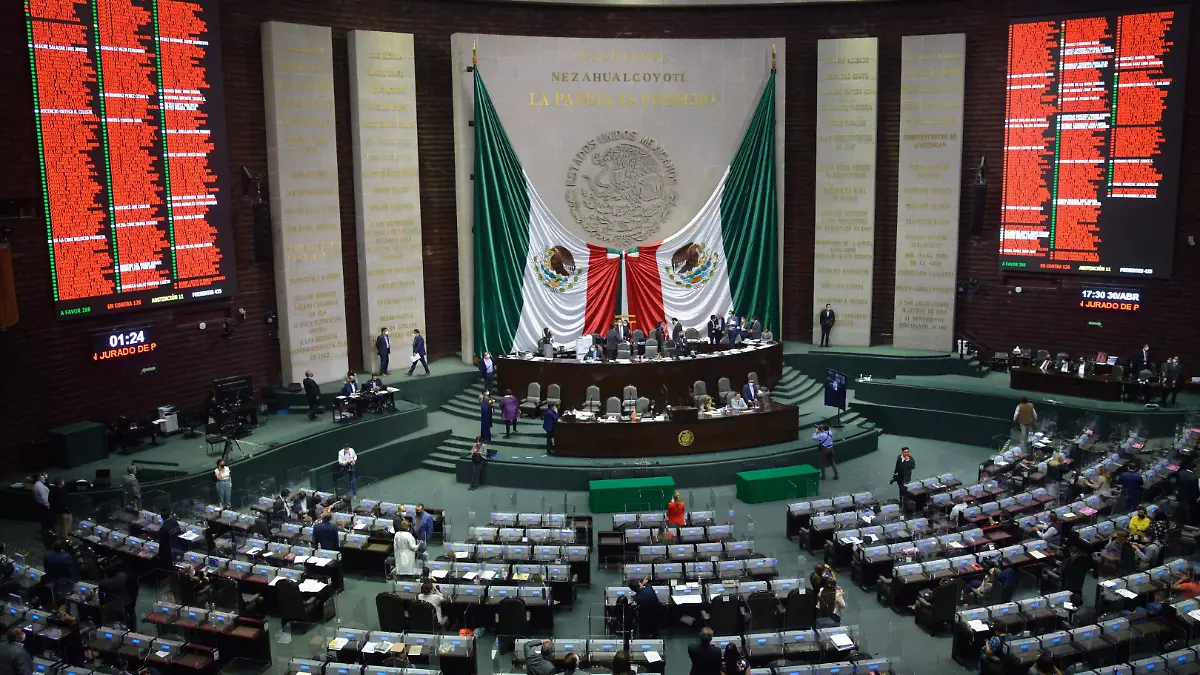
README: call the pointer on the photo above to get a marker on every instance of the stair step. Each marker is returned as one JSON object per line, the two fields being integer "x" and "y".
{"x": 438, "y": 465}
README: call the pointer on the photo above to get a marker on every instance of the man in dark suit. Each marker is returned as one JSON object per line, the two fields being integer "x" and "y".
{"x": 351, "y": 386}
{"x": 167, "y": 532}
{"x": 705, "y": 656}
{"x": 1172, "y": 379}
{"x": 418, "y": 351}
{"x": 734, "y": 326}
{"x": 714, "y": 329}
{"x": 326, "y": 535}
{"x": 650, "y": 609}
{"x": 623, "y": 331}
{"x": 611, "y": 340}
{"x": 827, "y": 319}
{"x": 755, "y": 328}
{"x": 383, "y": 345}
{"x": 750, "y": 391}
{"x": 676, "y": 331}
{"x": 312, "y": 391}
{"x": 1141, "y": 361}
{"x": 281, "y": 510}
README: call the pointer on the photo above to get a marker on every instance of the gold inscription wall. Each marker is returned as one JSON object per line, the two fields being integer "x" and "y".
{"x": 383, "y": 112}
{"x": 301, "y": 150}
{"x": 844, "y": 248}
{"x": 930, "y": 177}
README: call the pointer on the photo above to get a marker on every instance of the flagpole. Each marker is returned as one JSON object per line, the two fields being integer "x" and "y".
{"x": 475, "y": 60}
{"x": 772, "y": 58}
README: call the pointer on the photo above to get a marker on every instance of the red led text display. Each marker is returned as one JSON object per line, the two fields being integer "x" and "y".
{"x": 131, "y": 136}
{"x": 1093, "y": 119}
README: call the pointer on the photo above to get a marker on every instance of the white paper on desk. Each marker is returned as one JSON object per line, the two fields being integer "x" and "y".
{"x": 470, "y": 576}
{"x": 1195, "y": 614}
{"x": 652, "y": 657}
{"x": 873, "y": 537}
{"x": 274, "y": 581}
{"x": 689, "y": 599}
{"x": 438, "y": 574}
{"x": 977, "y": 625}
{"x": 488, "y": 575}
{"x": 851, "y": 540}
{"x": 459, "y": 555}
{"x": 956, "y": 544}
{"x": 368, "y": 648}
{"x": 300, "y": 559}
{"x": 312, "y": 586}
{"x": 841, "y": 641}
{"x": 162, "y": 655}
{"x": 253, "y": 551}
{"x": 1126, "y": 593}
{"x": 190, "y": 535}
{"x": 337, "y": 643}
{"x": 1069, "y": 606}
{"x": 319, "y": 562}
{"x": 268, "y": 554}
{"x": 1036, "y": 554}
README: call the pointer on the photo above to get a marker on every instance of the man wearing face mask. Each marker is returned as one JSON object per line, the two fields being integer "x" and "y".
{"x": 13, "y": 657}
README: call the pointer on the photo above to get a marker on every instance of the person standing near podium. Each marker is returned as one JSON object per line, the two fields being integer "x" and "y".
{"x": 611, "y": 340}
{"x": 312, "y": 391}
{"x": 549, "y": 420}
{"x": 827, "y": 318}
{"x": 383, "y": 346}
{"x": 1172, "y": 380}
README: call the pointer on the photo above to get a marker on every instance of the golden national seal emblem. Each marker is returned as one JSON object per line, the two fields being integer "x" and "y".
{"x": 686, "y": 437}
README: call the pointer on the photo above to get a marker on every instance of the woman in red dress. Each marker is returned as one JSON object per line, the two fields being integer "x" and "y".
{"x": 676, "y": 511}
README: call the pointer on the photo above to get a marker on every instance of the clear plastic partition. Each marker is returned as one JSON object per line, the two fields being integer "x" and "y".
{"x": 244, "y": 666}
{"x": 243, "y": 499}
{"x": 263, "y": 484}
{"x": 298, "y": 478}
{"x": 225, "y": 594}
{"x": 157, "y": 501}
{"x": 366, "y": 486}
{"x": 83, "y": 509}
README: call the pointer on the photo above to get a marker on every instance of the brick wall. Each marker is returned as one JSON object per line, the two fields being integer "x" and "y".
{"x": 54, "y": 353}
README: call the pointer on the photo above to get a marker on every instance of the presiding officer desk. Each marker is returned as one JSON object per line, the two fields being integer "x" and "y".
{"x": 1099, "y": 387}
{"x": 663, "y": 380}
{"x": 594, "y": 437}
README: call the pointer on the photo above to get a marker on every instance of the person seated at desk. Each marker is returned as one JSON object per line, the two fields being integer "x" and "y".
{"x": 1112, "y": 550}
{"x": 1050, "y": 532}
{"x": 737, "y": 403}
{"x": 1101, "y": 484}
{"x": 1044, "y": 665}
{"x": 283, "y": 508}
{"x": 1083, "y": 368}
{"x": 546, "y": 339}
{"x": 1148, "y": 553}
{"x": 1007, "y": 577}
{"x": 594, "y": 353}
{"x": 350, "y": 390}
{"x": 433, "y": 595}
{"x": 767, "y": 336}
{"x": 326, "y": 534}
{"x": 1187, "y": 587}
{"x": 982, "y": 594}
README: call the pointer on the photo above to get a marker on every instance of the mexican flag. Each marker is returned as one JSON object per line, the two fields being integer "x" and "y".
{"x": 531, "y": 273}
{"x": 726, "y": 257}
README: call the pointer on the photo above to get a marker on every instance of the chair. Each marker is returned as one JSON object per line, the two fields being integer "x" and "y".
{"x": 422, "y": 617}
{"x": 533, "y": 399}
{"x": 691, "y": 334}
{"x": 801, "y": 612}
{"x": 629, "y": 398}
{"x": 213, "y": 438}
{"x": 392, "y": 618}
{"x": 292, "y": 605}
{"x": 651, "y": 350}
{"x": 668, "y": 348}
{"x": 723, "y": 390}
{"x": 612, "y": 406}
{"x": 765, "y": 611}
{"x": 642, "y": 405}
{"x": 938, "y": 609}
{"x": 1118, "y": 372}
{"x": 553, "y": 395}
{"x": 638, "y": 336}
{"x": 699, "y": 389}
{"x": 511, "y": 617}
{"x": 1042, "y": 355}
{"x": 623, "y": 352}
{"x": 703, "y": 401}
{"x": 727, "y": 616}
{"x": 591, "y": 399}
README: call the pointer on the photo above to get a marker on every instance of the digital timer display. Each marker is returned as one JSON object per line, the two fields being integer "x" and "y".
{"x": 1107, "y": 298}
{"x": 121, "y": 343}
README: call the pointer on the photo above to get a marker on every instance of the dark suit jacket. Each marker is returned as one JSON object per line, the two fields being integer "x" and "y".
{"x": 706, "y": 659}
{"x": 349, "y": 388}
{"x": 419, "y": 345}
{"x": 383, "y": 345}
{"x": 623, "y": 332}
{"x": 325, "y": 536}
{"x": 1175, "y": 375}
{"x": 750, "y": 394}
{"x": 311, "y": 390}
{"x": 756, "y": 329}
{"x": 611, "y": 339}
{"x": 903, "y": 471}
{"x": 714, "y": 327}
{"x": 828, "y": 317}
{"x": 278, "y": 512}
{"x": 677, "y": 333}
{"x": 1142, "y": 359}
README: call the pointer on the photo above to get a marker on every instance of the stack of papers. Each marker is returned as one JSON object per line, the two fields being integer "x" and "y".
{"x": 312, "y": 586}
{"x": 652, "y": 657}
{"x": 338, "y": 643}
{"x": 1126, "y": 593}
{"x": 1195, "y": 614}
{"x": 1036, "y": 554}
{"x": 319, "y": 562}
{"x": 841, "y": 641}
{"x": 977, "y": 625}
{"x": 438, "y": 574}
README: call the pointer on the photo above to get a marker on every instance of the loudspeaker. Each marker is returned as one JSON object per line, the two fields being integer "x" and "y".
{"x": 978, "y": 207}
{"x": 8, "y": 289}
{"x": 262, "y": 230}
